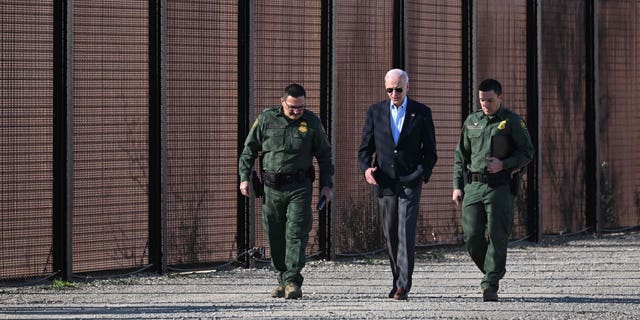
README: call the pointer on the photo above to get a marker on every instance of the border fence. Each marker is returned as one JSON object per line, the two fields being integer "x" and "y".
{"x": 121, "y": 121}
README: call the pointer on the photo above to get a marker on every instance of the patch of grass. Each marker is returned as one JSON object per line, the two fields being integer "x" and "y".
{"x": 122, "y": 281}
{"x": 176, "y": 275}
{"x": 372, "y": 261}
{"x": 60, "y": 285}
{"x": 432, "y": 256}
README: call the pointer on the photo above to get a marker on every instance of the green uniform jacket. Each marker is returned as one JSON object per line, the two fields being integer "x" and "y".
{"x": 287, "y": 146}
{"x": 474, "y": 145}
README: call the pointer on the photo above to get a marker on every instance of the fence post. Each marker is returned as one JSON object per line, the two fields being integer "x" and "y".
{"x": 398, "y": 50}
{"x": 243, "y": 235}
{"x": 157, "y": 139}
{"x": 592, "y": 162}
{"x": 326, "y": 114}
{"x": 468, "y": 69}
{"x": 533, "y": 109}
{"x": 62, "y": 249}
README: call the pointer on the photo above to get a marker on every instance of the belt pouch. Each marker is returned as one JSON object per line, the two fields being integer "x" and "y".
{"x": 497, "y": 179}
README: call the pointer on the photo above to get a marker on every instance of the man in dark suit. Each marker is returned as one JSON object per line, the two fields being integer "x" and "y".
{"x": 397, "y": 155}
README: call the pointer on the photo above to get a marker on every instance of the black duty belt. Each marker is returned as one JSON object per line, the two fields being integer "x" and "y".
{"x": 276, "y": 180}
{"x": 480, "y": 177}
{"x": 493, "y": 180}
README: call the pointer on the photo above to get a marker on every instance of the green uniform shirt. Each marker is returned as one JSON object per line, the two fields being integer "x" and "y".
{"x": 287, "y": 145}
{"x": 474, "y": 145}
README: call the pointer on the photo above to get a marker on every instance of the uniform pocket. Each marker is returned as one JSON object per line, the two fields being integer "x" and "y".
{"x": 475, "y": 133}
{"x": 476, "y": 138}
{"x": 274, "y": 139}
{"x": 300, "y": 142}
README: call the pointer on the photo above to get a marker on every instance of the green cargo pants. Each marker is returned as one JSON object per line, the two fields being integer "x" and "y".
{"x": 487, "y": 218}
{"x": 287, "y": 221}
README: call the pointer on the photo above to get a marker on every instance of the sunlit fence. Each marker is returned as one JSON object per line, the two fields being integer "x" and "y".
{"x": 121, "y": 121}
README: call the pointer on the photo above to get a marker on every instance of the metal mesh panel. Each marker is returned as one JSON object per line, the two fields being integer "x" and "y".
{"x": 619, "y": 37}
{"x": 26, "y": 82}
{"x": 287, "y": 49}
{"x": 562, "y": 188}
{"x": 110, "y": 138}
{"x": 363, "y": 33}
{"x": 435, "y": 70}
{"x": 502, "y": 55}
{"x": 110, "y": 134}
{"x": 202, "y": 122}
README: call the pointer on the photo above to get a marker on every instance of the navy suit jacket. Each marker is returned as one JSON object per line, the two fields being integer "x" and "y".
{"x": 416, "y": 146}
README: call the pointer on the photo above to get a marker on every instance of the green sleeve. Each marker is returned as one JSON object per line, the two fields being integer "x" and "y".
{"x": 461, "y": 158}
{"x": 252, "y": 146}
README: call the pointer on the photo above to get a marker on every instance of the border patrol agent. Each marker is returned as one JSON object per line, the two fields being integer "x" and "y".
{"x": 494, "y": 146}
{"x": 289, "y": 136}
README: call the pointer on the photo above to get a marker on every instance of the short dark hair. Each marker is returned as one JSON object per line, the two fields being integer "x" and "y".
{"x": 491, "y": 85}
{"x": 294, "y": 90}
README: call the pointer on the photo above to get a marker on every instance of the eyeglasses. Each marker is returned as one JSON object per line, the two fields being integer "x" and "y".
{"x": 294, "y": 107}
{"x": 398, "y": 90}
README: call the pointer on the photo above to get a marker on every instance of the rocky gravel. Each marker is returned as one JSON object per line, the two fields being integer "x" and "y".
{"x": 580, "y": 277}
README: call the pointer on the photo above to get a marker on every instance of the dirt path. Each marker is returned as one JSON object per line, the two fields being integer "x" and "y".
{"x": 575, "y": 278}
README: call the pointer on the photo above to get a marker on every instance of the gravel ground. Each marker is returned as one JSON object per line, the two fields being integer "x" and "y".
{"x": 561, "y": 278}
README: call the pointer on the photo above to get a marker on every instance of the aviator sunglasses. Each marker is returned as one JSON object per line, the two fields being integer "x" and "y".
{"x": 398, "y": 90}
{"x": 295, "y": 107}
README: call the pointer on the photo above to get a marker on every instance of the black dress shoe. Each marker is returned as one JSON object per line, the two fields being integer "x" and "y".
{"x": 400, "y": 294}
{"x": 392, "y": 292}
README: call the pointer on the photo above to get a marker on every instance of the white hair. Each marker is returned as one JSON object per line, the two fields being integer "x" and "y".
{"x": 398, "y": 72}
